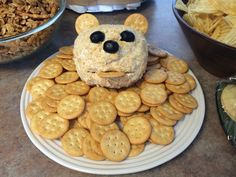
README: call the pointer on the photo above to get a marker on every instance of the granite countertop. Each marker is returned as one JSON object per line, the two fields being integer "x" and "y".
{"x": 210, "y": 154}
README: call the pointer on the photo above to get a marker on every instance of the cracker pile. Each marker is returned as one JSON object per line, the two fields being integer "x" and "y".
{"x": 101, "y": 123}
{"x": 19, "y": 16}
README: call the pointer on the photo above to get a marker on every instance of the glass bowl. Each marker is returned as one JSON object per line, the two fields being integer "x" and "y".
{"x": 24, "y": 44}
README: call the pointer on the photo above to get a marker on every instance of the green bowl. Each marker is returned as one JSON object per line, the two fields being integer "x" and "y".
{"x": 227, "y": 123}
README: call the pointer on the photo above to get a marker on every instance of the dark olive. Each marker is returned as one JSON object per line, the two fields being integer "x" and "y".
{"x": 127, "y": 36}
{"x": 97, "y": 37}
{"x": 111, "y": 46}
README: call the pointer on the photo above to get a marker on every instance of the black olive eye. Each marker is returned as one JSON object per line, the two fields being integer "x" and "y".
{"x": 97, "y": 37}
{"x": 127, "y": 36}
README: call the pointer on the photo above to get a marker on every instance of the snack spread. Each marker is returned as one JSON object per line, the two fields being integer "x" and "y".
{"x": 102, "y": 123}
{"x": 113, "y": 56}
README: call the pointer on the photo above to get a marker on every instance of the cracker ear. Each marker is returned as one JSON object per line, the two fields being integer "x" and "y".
{"x": 85, "y": 22}
{"x": 137, "y": 22}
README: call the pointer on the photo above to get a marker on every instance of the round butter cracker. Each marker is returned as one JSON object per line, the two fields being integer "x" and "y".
{"x": 162, "y": 135}
{"x": 178, "y": 65}
{"x": 115, "y": 145}
{"x": 136, "y": 149}
{"x": 127, "y": 102}
{"x": 92, "y": 149}
{"x": 85, "y": 21}
{"x": 72, "y": 141}
{"x": 155, "y": 76}
{"x": 183, "y": 88}
{"x": 97, "y": 94}
{"x": 56, "y": 92}
{"x": 167, "y": 110}
{"x": 97, "y": 131}
{"x": 137, "y": 22}
{"x": 186, "y": 100}
{"x": 153, "y": 95}
{"x": 67, "y": 77}
{"x": 71, "y": 107}
{"x": 138, "y": 130}
{"x": 77, "y": 88}
{"x": 50, "y": 70}
{"x": 68, "y": 50}
{"x": 39, "y": 88}
{"x": 103, "y": 113}
{"x": 53, "y": 126}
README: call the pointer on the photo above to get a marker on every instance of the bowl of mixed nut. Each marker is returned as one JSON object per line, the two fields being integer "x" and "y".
{"x": 26, "y": 26}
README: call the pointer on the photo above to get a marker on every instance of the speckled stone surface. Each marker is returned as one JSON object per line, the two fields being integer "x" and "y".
{"x": 209, "y": 155}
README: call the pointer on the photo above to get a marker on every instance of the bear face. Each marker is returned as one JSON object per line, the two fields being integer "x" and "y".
{"x": 111, "y": 56}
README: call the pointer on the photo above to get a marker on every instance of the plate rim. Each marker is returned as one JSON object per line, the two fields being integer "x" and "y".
{"x": 144, "y": 167}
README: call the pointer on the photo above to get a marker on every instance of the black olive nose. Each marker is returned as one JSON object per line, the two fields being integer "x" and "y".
{"x": 111, "y": 46}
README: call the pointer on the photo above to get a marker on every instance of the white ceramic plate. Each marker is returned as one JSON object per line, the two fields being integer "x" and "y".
{"x": 154, "y": 155}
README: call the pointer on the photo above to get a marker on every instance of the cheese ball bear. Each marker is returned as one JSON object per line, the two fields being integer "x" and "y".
{"x": 112, "y": 56}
